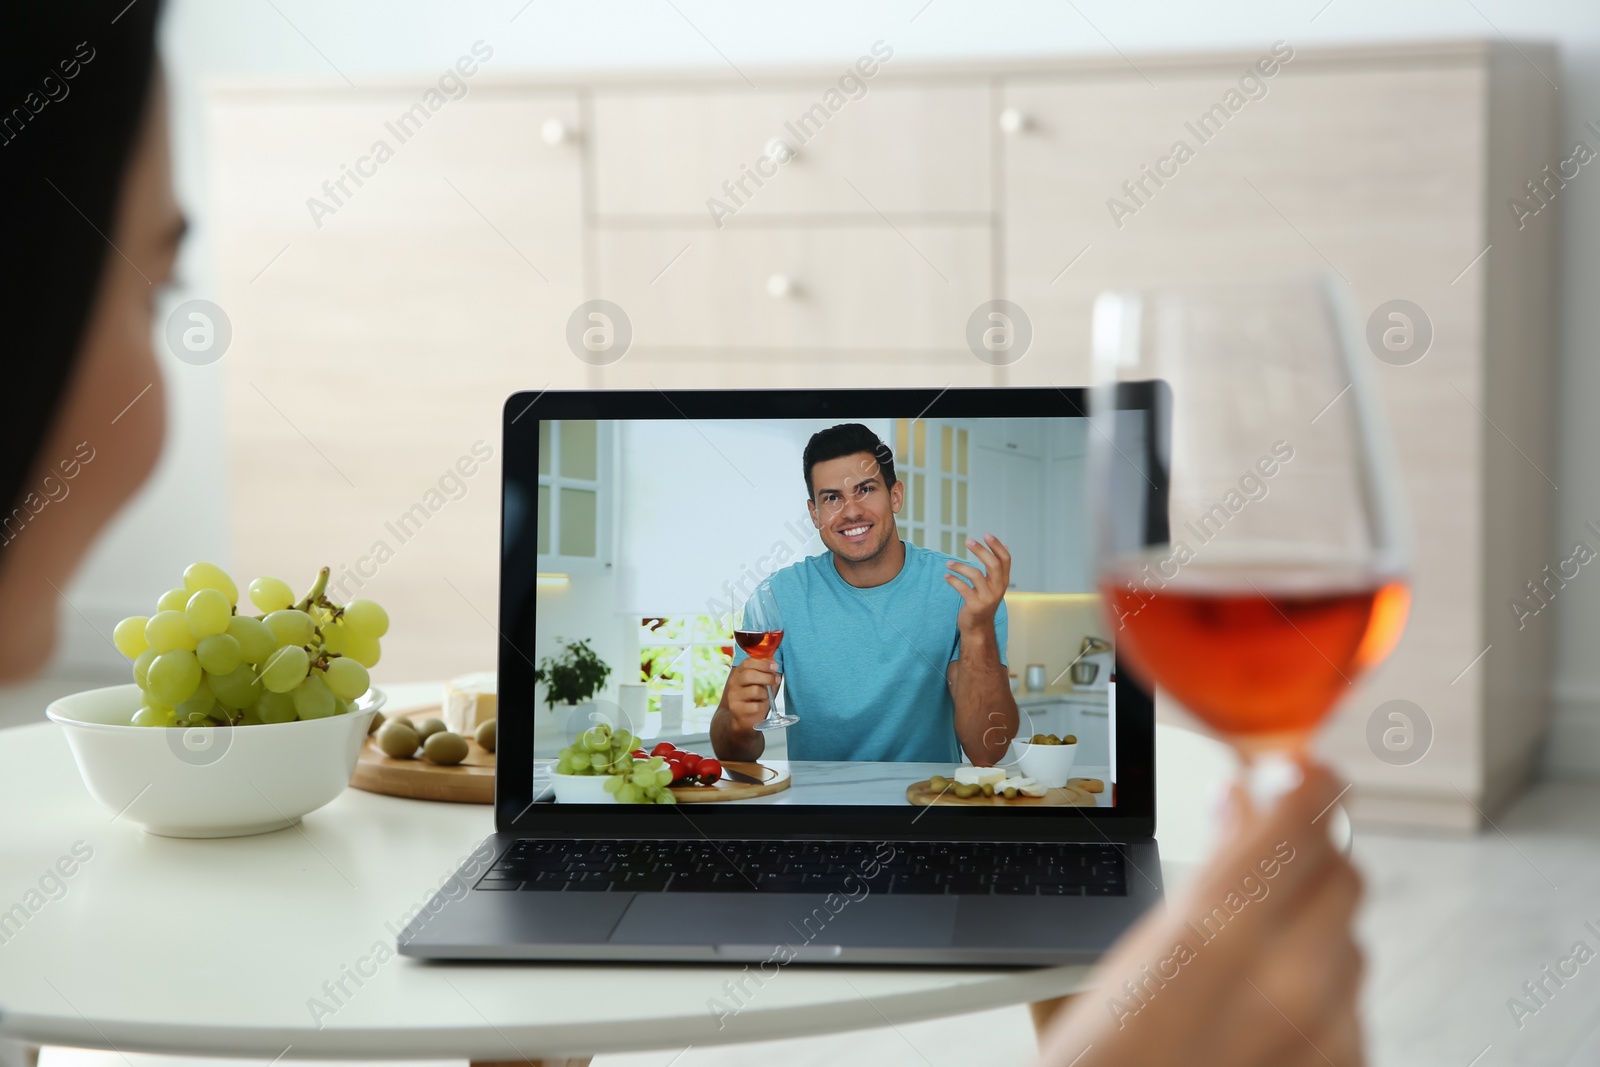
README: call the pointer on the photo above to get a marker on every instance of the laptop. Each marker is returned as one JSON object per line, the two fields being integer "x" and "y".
{"x": 638, "y": 528}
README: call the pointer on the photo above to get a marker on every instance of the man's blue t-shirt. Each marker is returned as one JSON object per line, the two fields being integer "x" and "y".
{"x": 864, "y": 669}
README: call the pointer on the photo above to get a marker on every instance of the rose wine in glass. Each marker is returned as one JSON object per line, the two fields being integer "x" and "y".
{"x": 1251, "y": 545}
{"x": 1264, "y": 667}
{"x": 758, "y": 629}
{"x": 758, "y": 644}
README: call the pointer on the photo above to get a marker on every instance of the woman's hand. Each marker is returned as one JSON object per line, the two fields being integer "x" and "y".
{"x": 1253, "y": 965}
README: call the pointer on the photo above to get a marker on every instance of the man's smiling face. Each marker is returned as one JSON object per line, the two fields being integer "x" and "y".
{"x": 852, "y": 508}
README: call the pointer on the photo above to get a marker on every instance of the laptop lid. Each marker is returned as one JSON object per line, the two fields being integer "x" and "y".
{"x": 639, "y": 522}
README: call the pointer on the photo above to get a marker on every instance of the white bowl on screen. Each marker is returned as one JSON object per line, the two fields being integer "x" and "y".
{"x": 582, "y": 789}
{"x": 1049, "y": 765}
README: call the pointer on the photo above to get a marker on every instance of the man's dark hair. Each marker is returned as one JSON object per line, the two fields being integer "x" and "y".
{"x": 847, "y": 439}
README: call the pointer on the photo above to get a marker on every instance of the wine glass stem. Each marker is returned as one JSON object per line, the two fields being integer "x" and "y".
{"x": 772, "y": 703}
{"x": 1267, "y": 776}
{"x": 1270, "y": 770}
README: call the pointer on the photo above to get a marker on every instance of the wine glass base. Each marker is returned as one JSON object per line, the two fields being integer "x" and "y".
{"x": 777, "y": 722}
{"x": 1268, "y": 776}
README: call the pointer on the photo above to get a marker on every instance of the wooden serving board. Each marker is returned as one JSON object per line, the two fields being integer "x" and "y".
{"x": 469, "y": 782}
{"x": 773, "y": 781}
{"x": 923, "y": 795}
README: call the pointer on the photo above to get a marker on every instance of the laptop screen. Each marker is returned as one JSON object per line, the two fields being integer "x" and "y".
{"x": 862, "y": 609}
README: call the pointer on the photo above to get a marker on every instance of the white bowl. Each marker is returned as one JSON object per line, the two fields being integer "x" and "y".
{"x": 582, "y": 789}
{"x": 1049, "y": 765}
{"x": 210, "y": 781}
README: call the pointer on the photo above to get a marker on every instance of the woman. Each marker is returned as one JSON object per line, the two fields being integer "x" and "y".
{"x": 94, "y": 232}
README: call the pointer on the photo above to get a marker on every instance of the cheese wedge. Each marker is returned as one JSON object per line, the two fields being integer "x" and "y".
{"x": 980, "y": 775}
{"x": 468, "y": 701}
{"x": 1033, "y": 789}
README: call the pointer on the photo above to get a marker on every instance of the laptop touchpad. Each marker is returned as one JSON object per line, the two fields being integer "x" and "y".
{"x": 805, "y": 923}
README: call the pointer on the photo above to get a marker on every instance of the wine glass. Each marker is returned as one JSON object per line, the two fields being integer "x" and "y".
{"x": 758, "y": 628}
{"x": 1252, "y": 550}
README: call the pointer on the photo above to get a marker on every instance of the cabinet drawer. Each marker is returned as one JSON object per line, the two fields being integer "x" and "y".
{"x": 906, "y": 151}
{"x": 1368, "y": 165}
{"x": 868, "y": 287}
{"x": 296, "y": 163}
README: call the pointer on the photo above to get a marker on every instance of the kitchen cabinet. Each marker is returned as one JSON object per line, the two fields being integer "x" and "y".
{"x": 1068, "y": 440}
{"x": 1023, "y": 437}
{"x": 1006, "y": 500}
{"x": 1066, "y": 533}
{"x": 859, "y": 263}
{"x": 1394, "y": 169}
{"x": 576, "y": 496}
{"x": 1035, "y": 490}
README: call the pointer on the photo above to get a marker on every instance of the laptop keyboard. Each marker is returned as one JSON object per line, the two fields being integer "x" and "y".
{"x": 904, "y": 867}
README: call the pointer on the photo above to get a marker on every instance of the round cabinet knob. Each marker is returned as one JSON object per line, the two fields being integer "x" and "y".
{"x": 778, "y": 150}
{"x": 1013, "y": 121}
{"x": 780, "y": 286}
{"x": 555, "y": 132}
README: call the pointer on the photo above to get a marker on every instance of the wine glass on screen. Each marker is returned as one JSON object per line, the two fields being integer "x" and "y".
{"x": 758, "y": 629}
{"x": 1252, "y": 548}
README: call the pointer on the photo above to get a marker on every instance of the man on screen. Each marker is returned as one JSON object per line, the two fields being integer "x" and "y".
{"x": 891, "y": 652}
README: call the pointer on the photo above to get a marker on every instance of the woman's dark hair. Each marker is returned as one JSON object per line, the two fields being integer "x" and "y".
{"x": 847, "y": 439}
{"x": 75, "y": 77}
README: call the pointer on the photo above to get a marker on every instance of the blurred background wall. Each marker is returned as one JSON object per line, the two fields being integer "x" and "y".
{"x": 182, "y": 515}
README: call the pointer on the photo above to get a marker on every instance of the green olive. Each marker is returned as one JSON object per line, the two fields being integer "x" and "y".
{"x": 1037, "y": 739}
{"x": 398, "y": 739}
{"x": 377, "y": 721}
{"x": 485, "y": 734}
{"x": 988, "y": 789}
{"x": 1070, "y": 739}
{"x": 428, "y": 727}
{"x": 1011, "y": 792}
{"x": 445, "y": 748}
{"x": 964, "y": 790}
{"x": 938, "y": 783}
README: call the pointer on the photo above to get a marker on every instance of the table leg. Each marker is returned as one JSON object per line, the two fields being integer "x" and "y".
{"x": 1044, "y": 1012}
{"x": 558, "y": 1061}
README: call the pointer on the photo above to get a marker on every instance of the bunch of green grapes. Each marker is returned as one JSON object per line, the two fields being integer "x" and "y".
{"x": 199, "y": 662}
{"x": 601, "y": 751}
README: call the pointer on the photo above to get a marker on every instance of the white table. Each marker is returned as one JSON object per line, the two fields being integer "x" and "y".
{"x": 219, "y": 947}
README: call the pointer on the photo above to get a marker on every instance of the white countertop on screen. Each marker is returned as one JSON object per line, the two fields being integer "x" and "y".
{"x": 856, "y": 781}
